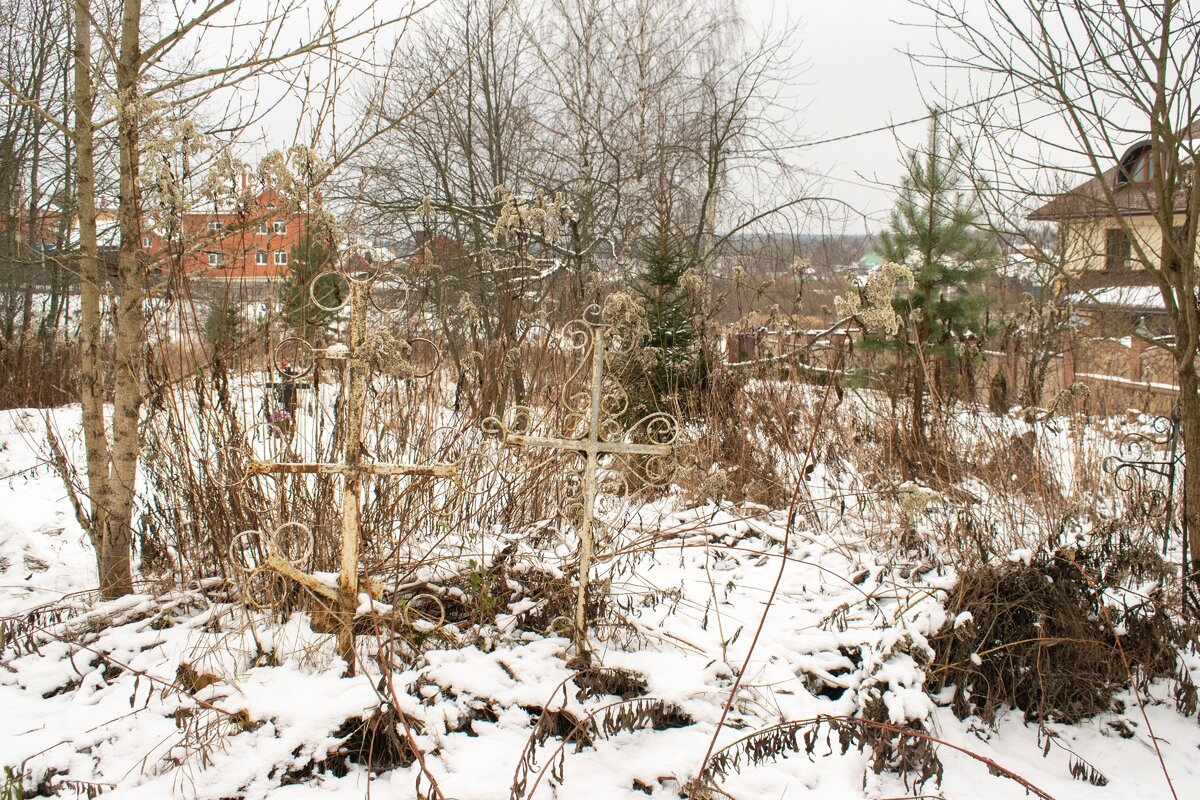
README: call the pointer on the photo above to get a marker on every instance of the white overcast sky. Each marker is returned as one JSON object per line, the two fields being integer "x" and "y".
{"x": 857, "y": 77}
{"x": 853, "y": 74}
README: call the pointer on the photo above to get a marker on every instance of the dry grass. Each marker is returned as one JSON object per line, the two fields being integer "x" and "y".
{"x": 1039, "y": 637}
{"x": 34, "y": 376}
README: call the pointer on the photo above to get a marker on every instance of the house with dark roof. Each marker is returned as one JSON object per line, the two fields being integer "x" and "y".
{"x": 1111, "y": 238}
{"x": 1105, "y": 222}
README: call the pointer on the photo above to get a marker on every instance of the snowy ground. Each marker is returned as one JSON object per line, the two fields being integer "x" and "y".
{"x": 114, "y": 711}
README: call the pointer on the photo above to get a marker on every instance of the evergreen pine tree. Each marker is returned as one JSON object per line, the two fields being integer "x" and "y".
{"x": 222, "y": 329}
{"x": 935, "y": 229}
{"x": 679, "y": 367}
{"x": 308, "y": 258}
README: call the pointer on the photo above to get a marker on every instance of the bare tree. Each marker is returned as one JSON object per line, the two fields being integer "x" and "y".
{"x": 156, "y": 63}
{"x": 627, "y": 117}
{"x": 34, "y": 203}
{"x": 1068, "y": 87}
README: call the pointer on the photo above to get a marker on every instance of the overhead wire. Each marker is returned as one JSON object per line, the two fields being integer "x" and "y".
{"x": 1012, "y": 90}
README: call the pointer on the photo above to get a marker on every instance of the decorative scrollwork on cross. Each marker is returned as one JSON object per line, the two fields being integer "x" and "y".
{"x": 1143, "y": 456}
{"x": 591, "y": 429}
{"x": 261, "y": 560}
{"x": 264, "y": 560}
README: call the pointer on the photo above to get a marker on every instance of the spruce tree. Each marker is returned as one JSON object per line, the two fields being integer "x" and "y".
{"x": 222, "y": 329}
{"x": 679, "y": 366}
{"x": 935, "y": 229}
{"x": 308, "y": 258}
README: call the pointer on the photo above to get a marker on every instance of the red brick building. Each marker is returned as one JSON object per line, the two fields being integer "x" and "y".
{"x": 254, "y": 241}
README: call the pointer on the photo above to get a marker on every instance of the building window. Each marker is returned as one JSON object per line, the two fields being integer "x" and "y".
{"x": 1144, "y": 169}
{"x": 280, "y": 256}
{"x": 280, "y": 226}
{"x": 1117, "y": 252}
{"x": 1139, "y": 165}
{"x": 147, "y": 242}
{"x": 214, "y": 226}
{"x": 260, "y": 257}
{"x": 215, "y": 259}
{"x": 260, "y": 227}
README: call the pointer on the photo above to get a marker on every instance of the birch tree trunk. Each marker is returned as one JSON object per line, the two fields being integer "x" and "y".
{"x": 100, "y": 522}
{"x": 115, "y": 573}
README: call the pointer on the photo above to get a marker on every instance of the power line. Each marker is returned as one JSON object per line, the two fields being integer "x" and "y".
{"x": 962, "y": 106}
{"x": 892, "y": 126}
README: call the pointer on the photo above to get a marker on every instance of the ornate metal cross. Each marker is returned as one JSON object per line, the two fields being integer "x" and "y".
{"x": 593, "y": 431}
{"x": 1148, "y": 453}
{"x": 1157, "y": 453}
{"x": 286, "y": 549}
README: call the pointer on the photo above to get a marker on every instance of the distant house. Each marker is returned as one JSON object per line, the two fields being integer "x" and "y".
{"x": 50, "y": 228}
{"x": 369, "y": 254}
{"x": 51, "y": 234}
{"x": 428, "y": 248}
{"x": 1101, "y": 220}
{"x": 1108, "y": 233}
{"x": 252, "y": 241}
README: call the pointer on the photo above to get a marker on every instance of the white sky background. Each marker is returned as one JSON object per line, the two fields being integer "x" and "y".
{"x": 852, "y": 74}
{"x": 857, "y": 76}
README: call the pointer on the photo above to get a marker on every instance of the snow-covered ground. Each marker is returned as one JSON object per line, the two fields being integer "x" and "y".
{"x": 168, "y": 695}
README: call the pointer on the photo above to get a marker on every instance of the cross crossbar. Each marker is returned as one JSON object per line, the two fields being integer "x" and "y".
{"x": 589, "y": 445}
{"x": 354, "y": 383}
{"x": 315, "y": 468}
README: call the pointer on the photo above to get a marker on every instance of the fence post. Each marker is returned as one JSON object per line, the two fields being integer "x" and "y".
{"x": 1068, "y": 361}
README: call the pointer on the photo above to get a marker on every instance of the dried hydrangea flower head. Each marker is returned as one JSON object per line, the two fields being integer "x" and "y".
{"x": 542, "y": 216}
{"x": 879, "y": 289}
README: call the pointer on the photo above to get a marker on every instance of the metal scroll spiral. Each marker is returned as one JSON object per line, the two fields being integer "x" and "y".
{"x": 520, "y": 420}
{"x": 249, "y": 552}
{"x": 330, "y": 290}
{"x": 1143, "y": 456}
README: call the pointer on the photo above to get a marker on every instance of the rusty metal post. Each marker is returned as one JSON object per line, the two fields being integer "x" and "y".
{"x": 586, "y": 542}
{"x": 354, "y": 387}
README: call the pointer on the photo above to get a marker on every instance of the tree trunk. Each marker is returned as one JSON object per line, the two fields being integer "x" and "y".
{"x": 1189, "y": 421}
{"x": 99, "y": 522}
{"x": 116, "y": 578}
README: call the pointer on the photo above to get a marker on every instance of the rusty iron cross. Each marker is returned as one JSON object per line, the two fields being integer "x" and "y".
{"x": 282, "y": 551}
{"x": 1142, "y": 456}
{"x": 592, "y": 431}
